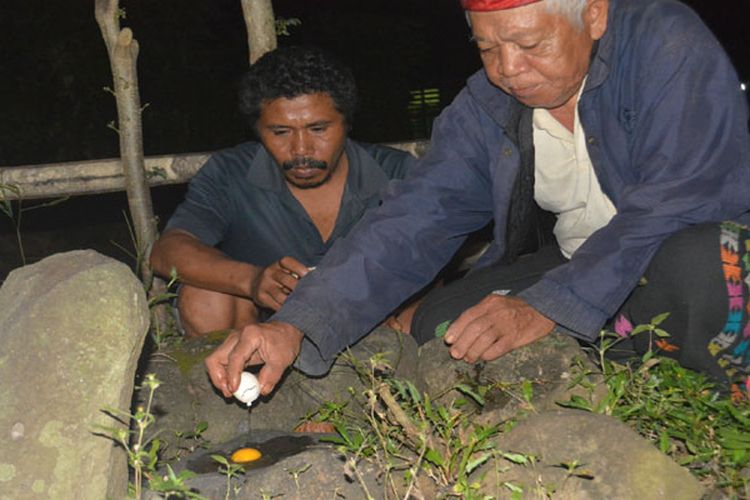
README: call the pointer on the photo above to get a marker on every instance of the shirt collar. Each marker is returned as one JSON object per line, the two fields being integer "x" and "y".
{"x": 264, "y": 172}
{"x": 603, "y": 52}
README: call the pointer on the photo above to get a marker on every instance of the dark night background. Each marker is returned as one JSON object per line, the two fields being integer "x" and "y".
{"x": 54, "y": 65}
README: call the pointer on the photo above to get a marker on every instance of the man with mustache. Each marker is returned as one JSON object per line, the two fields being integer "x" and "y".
{"x": 622, "y": 119}
{"x": 259, "y": 216}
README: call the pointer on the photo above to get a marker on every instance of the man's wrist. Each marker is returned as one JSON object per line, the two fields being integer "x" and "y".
{"x": 291, "y": 330}
{"x": 251, "y": 281}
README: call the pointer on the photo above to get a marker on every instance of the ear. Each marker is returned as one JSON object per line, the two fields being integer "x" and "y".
{"x": 595, "y": 18}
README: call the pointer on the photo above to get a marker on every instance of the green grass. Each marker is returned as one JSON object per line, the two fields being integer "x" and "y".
{"x": 416, "y": 440}
{"x": 682, "y": 412}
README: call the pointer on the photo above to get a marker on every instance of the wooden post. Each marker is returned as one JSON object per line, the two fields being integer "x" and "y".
{"x": 123, "y": 54}
{"x": 261, "y": 27}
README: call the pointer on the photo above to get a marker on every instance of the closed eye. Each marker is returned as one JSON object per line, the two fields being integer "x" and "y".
{"x": 529, "y": 47}
{"x": 318, "y": 127}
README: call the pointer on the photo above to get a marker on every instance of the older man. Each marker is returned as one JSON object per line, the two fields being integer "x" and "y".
{"x": 624, "y": 119}
{"x": 258, "y": 216}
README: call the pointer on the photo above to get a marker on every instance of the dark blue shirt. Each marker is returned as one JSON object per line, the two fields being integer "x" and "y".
{"x": 240, "y": 203}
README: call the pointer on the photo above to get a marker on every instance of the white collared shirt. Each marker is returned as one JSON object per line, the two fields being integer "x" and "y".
{"x": 566, "y": 183}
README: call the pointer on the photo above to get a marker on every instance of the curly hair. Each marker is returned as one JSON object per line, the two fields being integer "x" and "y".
{"x": 294, "y": 71}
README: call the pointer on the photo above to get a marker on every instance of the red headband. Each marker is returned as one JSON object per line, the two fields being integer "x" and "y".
{"x": 486, "y": 5}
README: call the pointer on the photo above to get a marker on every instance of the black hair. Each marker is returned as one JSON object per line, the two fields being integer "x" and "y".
{"x": 294, "y": 71}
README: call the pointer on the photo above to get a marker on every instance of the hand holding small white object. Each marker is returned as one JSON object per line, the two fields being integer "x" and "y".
{"x": 249, "y": 388}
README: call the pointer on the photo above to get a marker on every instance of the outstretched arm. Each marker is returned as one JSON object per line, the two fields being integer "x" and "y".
{"x": 206, "y": 267}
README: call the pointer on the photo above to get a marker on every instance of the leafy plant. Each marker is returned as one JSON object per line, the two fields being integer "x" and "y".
{"x": 163, "y": 324}
{"x": 229, "y": 470}
{"x": 283, "y": 24}
{"x": 406, "y": 432}
{"x": 188, "y": 442}
{"x": 681, "y": 411}
{"x": 143, "y": 451}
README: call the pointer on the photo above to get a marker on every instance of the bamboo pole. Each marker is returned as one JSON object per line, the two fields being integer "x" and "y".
{"x": 54, "y": 180}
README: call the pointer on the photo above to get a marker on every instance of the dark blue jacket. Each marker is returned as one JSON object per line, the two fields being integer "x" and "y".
{"x": 666, "y": 124}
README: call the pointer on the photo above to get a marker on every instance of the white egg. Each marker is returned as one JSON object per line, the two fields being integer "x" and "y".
{"x": 249, "y": 389}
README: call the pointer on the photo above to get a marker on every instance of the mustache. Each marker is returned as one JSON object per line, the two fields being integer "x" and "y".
{"x": 304, "y": 162}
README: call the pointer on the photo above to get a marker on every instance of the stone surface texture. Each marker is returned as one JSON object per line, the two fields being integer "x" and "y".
{"x": 613, "y": 461}
{"x": 72, "y": 327}
{"x": 186, "y": 396}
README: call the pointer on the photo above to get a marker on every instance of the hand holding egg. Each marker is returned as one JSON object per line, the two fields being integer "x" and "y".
{"x": 249, "y": 388}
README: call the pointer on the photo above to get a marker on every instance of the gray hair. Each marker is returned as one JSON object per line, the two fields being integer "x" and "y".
{"x": 571, "y": 9}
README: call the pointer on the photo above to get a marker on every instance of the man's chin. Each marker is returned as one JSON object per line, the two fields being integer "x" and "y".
{"x": 306, "y": 183}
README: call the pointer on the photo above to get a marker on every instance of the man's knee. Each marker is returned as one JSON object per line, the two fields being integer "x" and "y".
{"x": 202, "y": 311}
{"x": 685, "y": 278}
{"x": 688, "y": 258}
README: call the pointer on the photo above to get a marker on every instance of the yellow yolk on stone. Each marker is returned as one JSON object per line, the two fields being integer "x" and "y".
{"x": 246, "y": 455}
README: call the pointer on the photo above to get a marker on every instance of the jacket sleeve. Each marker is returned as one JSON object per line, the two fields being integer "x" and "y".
{"x": 397, "y": 248}
{"x": 686, "y": 162}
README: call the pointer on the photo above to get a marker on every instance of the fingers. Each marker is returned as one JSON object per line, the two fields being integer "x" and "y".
{"x": 281, "y": 348}
{"x": 475, "y": 338}
{"x": 269, "y": 376}
{"x": 279, "y": 280}
{"x": 249, "y": 342}
{"x": 472, "y": 347}
{"x": 276, "y": 345}
{"x": 272, "y": 298}
{"x": 216, "y": 364}
{"x": 458, "y": 327}
{"x": 294, "y": 267}
{"x": 494, "y": 327}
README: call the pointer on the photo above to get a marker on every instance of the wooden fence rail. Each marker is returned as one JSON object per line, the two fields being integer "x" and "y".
{"x": 101, "y": 176}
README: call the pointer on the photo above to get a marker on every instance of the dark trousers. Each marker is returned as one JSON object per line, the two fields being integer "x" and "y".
{"x": 698, "y": 276}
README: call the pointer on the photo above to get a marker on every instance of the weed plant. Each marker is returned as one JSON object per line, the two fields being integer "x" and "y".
{"x": 143, "y": 450}
{"x": 428, "y": 448}
{"x": 230, "y": 470}
{"x": 698, "y": 423}
{"x": 425, "y": 448}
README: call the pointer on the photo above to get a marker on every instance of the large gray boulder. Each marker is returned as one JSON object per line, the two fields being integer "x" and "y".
{"x": 72, "y": 328}
{"x": 546, "y": 364}
{"x": 580, "y": 455}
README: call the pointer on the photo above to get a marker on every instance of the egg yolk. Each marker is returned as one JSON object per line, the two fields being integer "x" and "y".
{"x": 246, "y": 455}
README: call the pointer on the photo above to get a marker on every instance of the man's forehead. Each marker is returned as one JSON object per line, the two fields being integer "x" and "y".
{"x": 489, "y": 5}
{"x": 303, "y": 110}
{"x": 311, "y": 99}
{"x": 510, "y": 26}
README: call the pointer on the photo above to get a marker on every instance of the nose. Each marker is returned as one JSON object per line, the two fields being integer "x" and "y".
{"x": 511, "y": 62}
{"x": 301, "y": 144}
